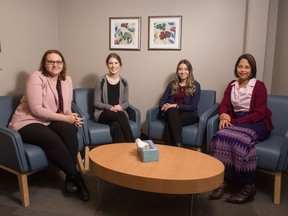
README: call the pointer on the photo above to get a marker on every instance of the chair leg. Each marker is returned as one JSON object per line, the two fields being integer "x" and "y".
{"x": 277, "y": 187}
{"x": 23, "y": 186}
{"x": 80, "y": 163}
{"x": 86, "y": 161}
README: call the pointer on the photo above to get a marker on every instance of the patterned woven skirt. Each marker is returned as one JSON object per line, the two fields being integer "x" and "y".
{"x": 235, "y": 147}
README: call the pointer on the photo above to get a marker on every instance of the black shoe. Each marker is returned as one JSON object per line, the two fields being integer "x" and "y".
{"x": 83, "y": 192}
{"x": 218, "y": 193}
{"x": 247, "y": 192}
{"x": 70, "y": 187}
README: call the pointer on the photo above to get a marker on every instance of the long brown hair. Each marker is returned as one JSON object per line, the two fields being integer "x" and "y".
{"x": 190, "y": 86}
{"x": 62, "y": 75}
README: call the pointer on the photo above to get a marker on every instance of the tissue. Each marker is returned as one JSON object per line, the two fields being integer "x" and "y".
{"x": 147, "y": 150}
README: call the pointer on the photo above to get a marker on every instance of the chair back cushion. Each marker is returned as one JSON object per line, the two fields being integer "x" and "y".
{"x": 279, "y": 108}
{"x": 8, "y": 105}
{"x": 207, "y": 100}
{"x": 84, "y": 98}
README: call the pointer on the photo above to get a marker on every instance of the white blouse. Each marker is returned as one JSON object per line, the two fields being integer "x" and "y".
{"x": 241, "y": 97}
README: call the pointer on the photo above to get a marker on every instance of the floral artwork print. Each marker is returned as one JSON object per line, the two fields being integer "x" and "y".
{"x": 164, "y": 32}
{"x": 124, "y": 33}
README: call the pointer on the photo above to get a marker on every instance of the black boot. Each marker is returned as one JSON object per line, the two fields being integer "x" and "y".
{"x": 70, "y": 187}
{"x": 83, "y": 192}
{"x": 218, "y": 193}
{"x": 247, "y": 192}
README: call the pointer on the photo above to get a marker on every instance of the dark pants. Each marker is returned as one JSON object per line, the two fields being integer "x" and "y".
{"x": 174, "y": 121}
{"x": 119, "y": 126}
{"x": 58, "y": 140}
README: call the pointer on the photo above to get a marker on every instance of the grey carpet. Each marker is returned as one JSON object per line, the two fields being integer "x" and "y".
{"x": 48, "y": 199}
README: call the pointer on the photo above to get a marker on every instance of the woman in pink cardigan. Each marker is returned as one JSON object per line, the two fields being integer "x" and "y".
{"x": 44, "y": 118}
{"x": 244, "y": 120}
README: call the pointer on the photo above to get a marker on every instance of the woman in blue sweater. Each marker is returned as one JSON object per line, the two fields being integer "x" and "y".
{"x": 179, "y": 103}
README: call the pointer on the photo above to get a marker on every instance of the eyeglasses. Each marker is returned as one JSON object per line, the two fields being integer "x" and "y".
{"x": 241, "y": 67}
{"x": 50, "y": 62}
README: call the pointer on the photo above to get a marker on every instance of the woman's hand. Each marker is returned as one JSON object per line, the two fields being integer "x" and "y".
{"x": 166, "y": 106}
{"x": 78, "y": 121}
{"x": 225, "y": 121}
{"x": 116, "y": 108}
{"x": 73, "y": 118}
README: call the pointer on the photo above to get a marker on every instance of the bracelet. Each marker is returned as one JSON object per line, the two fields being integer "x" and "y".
{"x": 177, "y": 106}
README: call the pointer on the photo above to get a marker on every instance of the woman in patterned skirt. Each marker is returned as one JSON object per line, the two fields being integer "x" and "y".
{"x": 244, "y": 119}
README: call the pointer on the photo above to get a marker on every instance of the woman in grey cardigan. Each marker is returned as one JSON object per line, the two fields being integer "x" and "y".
{"x": 111, "y": 101}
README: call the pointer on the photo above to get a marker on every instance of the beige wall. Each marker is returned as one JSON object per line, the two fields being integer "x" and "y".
{"x": 27, "y": 29}
{"x": 214, "y": 34}
{"x": 279, "y": 84}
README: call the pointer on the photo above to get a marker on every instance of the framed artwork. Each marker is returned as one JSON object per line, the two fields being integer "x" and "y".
{"x": 124, "y": 33}
{"x": 165, "y": 32}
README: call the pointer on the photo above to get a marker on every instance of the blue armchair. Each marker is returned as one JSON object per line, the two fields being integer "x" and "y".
{"x": 22, "y": 159}
{"x": 192, "y": 135}
{"x": 97, "y": 133}
{"x": 272, "y": 152}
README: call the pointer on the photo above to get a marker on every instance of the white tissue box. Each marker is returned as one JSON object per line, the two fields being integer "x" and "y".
{"x": 148, "y": 154}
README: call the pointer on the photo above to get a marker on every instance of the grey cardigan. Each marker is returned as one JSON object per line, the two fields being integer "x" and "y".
{"x": 101, "y": 96}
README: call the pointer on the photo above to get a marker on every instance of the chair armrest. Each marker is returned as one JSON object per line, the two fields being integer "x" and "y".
{"x": 283, "y": 161}
{"x": 84, "y": 127}
{"x": 203, "y": 122}
{"x": 12, "y": 154}
{"x": 212, "y": 127}
{"x": 134, "y": 115}
{"x": 152, "y": 114}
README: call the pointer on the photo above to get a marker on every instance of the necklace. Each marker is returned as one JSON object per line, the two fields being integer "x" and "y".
{"x": 182, "y": 88}
{"x": 113, "y": 79}
{"x": 243, "y": 84}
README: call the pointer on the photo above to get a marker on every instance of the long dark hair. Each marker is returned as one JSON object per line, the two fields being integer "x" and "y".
{"x": 62, "y": 75}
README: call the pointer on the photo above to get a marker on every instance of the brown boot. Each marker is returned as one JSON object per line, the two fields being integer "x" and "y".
{"x": 247, "y": 192}
{"x": 219, "y": 192}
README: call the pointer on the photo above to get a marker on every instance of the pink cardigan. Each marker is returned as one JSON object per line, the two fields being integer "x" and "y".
{"x": 258, "y": 106}
{"x": 41, "y": 100}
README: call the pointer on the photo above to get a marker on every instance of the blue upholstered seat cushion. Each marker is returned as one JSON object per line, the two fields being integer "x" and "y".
{"x": 156, "y": 129}
{"x": 35, "y": 156}
{"x": 268, "y": 152}
{"x": 189, "y": 134}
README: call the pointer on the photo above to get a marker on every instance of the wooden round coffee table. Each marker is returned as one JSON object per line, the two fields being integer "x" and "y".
{"x": 178, "y": 171}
